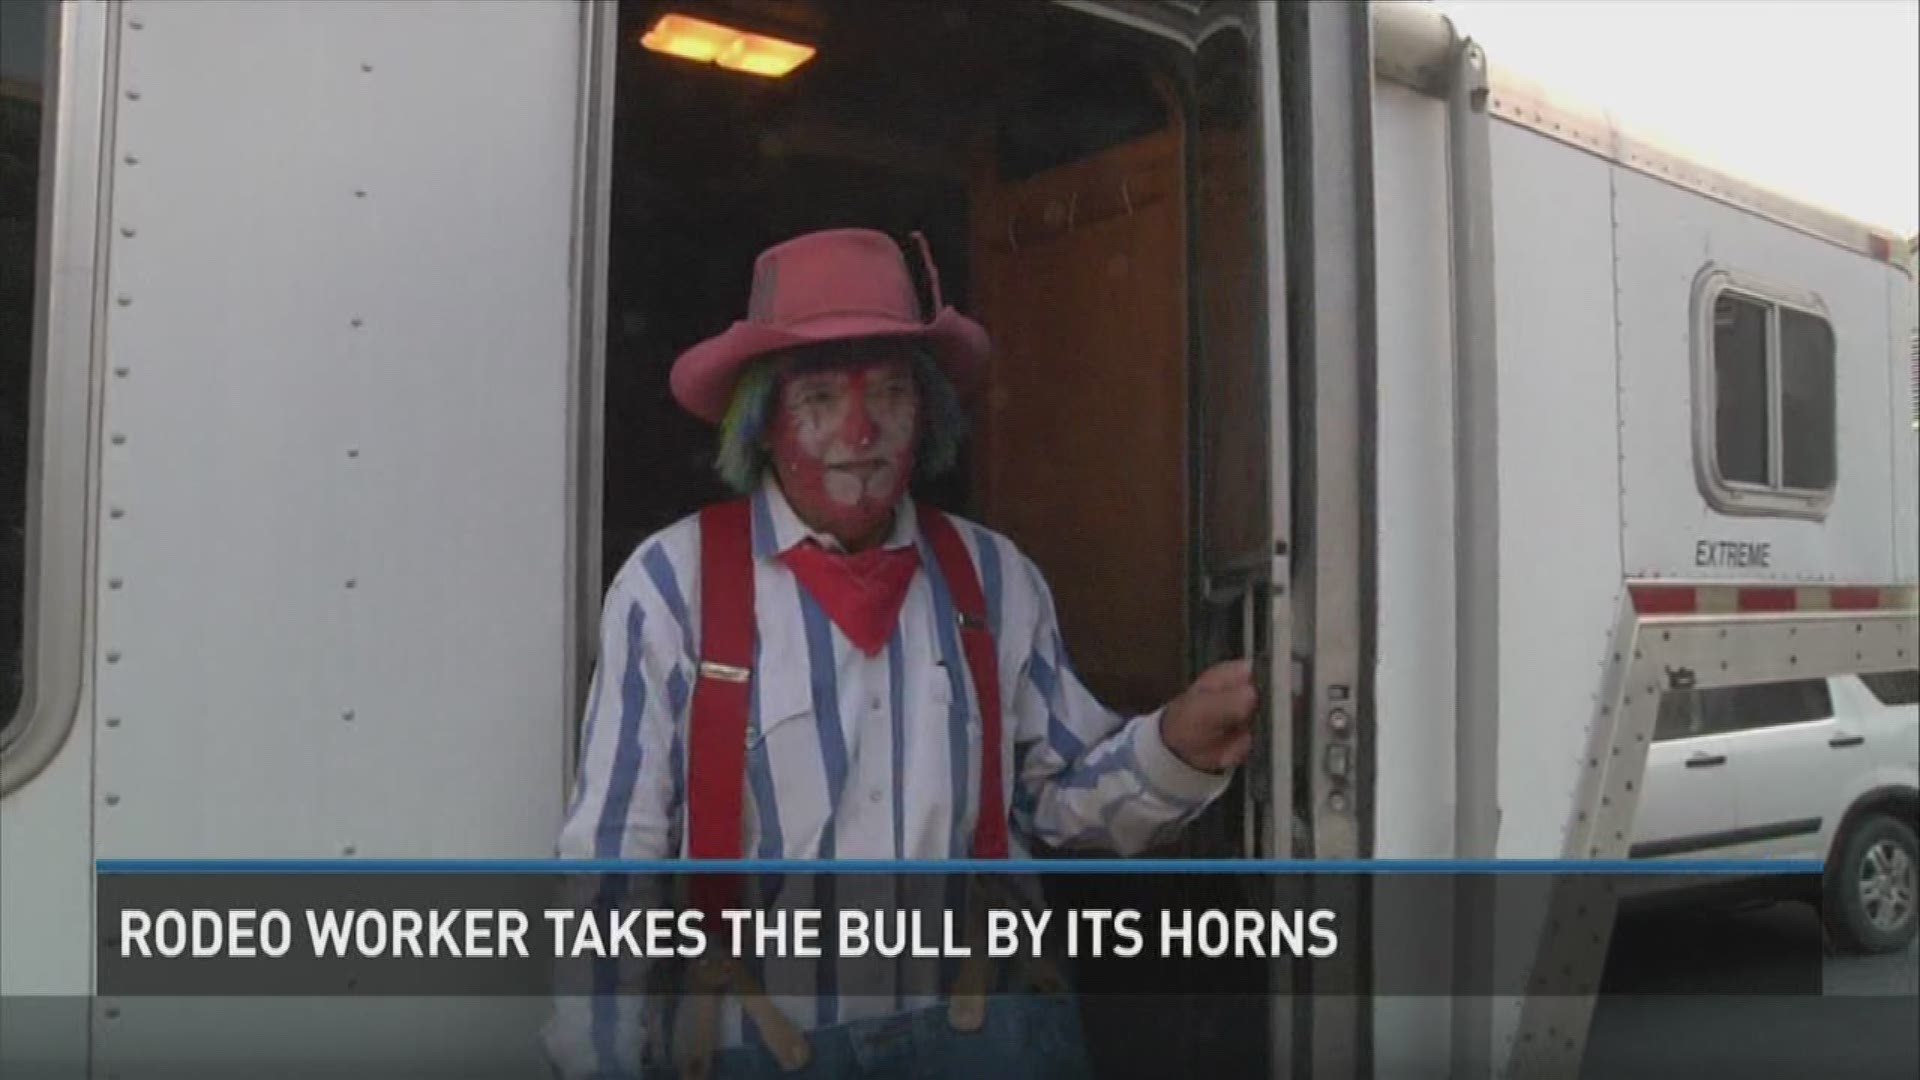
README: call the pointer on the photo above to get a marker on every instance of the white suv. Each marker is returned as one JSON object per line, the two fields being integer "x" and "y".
{"x": 1825, "y": 769}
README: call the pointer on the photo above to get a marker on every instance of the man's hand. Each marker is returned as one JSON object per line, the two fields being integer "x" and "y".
{"x": 1210, "y": 725}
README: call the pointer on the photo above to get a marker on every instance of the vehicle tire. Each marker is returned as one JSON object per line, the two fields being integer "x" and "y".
{"x": 1871, "y": 886}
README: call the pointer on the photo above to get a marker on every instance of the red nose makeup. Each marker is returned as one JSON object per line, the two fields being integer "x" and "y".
{"x": 859, "y": 429}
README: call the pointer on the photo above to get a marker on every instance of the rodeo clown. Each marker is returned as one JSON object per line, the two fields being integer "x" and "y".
{"x": 812, "y": 670}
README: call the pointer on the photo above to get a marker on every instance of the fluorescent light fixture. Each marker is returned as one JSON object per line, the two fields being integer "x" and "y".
{"x": 712, "y": 43}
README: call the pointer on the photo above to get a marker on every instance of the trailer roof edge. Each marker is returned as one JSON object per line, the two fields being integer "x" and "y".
{"x": 1412, "y": 42}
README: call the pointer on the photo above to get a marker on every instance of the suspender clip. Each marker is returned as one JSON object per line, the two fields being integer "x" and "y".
{"x": 710, "y": 669}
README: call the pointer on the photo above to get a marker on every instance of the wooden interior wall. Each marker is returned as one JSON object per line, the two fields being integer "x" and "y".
{"x": 1080, "y": 276}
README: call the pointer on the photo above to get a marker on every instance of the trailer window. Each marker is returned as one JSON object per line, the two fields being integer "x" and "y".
{"x": 24, "y": 69}
{"x": 1806, "y": 401}
{"x": 1764, "y": 398}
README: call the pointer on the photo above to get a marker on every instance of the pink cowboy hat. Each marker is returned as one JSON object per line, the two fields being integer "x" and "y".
{"x": 835, "y": 285}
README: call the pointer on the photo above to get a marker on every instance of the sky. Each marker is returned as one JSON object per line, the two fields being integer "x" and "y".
{"x": 1819, "y": 100}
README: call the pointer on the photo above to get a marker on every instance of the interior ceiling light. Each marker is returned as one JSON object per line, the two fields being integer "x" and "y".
{"x": 712, "y": 43}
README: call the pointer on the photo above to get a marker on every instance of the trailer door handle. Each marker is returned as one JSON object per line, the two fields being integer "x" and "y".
{"x": 1841, "y": 742}
{"x": 1706, "y": 761}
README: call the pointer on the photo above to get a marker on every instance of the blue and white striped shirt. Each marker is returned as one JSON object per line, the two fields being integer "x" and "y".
{"x": 852, "y": 756}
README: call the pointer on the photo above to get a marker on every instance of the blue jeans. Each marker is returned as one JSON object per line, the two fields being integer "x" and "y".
{"x": 1025, "y": 1037}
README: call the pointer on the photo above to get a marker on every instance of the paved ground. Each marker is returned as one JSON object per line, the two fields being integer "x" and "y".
{"x": 1864, "y": 1024}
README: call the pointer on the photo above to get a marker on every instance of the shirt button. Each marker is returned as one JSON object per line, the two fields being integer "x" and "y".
{"x": 873, "y": 795}
{"x": 875, "y": 704}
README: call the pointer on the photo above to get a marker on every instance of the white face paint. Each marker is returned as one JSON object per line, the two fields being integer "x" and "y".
{"x": 843, "y": 441}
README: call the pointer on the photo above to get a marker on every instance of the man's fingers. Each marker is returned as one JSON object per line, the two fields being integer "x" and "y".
{"x": 1237, "y": 750}
{"x": 1226, "y": 675}
{"x": 1227, "y": 706}
{"x": 1211, "y": 724}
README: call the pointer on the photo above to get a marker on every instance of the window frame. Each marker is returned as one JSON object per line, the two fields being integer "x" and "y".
{"x": 73, "y": 194}
{"x": 1740, "y": 497}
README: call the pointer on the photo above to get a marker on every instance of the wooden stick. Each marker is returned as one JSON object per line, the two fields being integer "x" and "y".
{"x": 788, "y": 1043}
{"x": 712, "y": 979}
{"x": 706, "y": 978}
{"x": 967, "y": 1007}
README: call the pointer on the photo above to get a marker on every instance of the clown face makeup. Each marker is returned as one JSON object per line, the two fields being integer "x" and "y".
{"x": 842, "y": 439}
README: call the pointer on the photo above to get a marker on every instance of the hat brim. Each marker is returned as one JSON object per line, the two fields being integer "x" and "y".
{"x": 703, "y": 377}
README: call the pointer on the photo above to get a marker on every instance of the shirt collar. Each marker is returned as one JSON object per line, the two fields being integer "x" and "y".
{"x": 776, "y": 527}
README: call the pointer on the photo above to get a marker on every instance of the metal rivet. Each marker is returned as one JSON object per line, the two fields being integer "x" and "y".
{"x": 120, "y": 372}
{"x": 114, "y": 583}
{"x": 113, "y": 656}
{"x": 351, "y": 582}
{"x": 348, "y": 715}
{"x": 123, "y": 299}
{"x": 113, "y": 1012}
{"x": 348, "y": 850}
{"x": 127, "y": 231}
{"x": 357, "y": 323}
{"x": 353, "y": 452}
{"x": 366, "y": 67}
{"x": 131, "y": 160}
{"x": 113, "y": 721}
{"x": 117, "y": 512}
{"x": 119, "y": 439}
{"x": 113, "y": 800}
{"x": 133, "y": 95}
{"x": 359, "y": 193}
{"x": 136, "y": 24}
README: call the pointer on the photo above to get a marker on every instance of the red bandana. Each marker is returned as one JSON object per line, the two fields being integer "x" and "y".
{"x": 861, "y": 592}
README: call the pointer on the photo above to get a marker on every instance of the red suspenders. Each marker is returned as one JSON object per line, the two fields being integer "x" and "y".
{"x": 717, "y": 739}
{"x": 990, "y": 828}
{"x": 717, "y": 730}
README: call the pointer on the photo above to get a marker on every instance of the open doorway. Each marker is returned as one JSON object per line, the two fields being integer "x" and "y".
{"x": 1091, "y": 188}
{"x": 1065, "y": 173}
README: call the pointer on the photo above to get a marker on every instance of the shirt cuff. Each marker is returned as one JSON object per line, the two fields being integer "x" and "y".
{"x": 1163, "y": 771}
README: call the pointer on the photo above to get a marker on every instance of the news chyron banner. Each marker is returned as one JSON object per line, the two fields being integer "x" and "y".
{"x": 244, "y": 933}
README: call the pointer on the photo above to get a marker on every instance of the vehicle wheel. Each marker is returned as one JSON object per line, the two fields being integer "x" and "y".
{"x": 1871, "y": 887}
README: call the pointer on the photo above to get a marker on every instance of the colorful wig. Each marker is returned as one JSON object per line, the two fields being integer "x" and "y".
{"x": 743, "y": 450}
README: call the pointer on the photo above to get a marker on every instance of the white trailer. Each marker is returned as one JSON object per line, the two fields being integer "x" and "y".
{"x": 1478, "y": 418}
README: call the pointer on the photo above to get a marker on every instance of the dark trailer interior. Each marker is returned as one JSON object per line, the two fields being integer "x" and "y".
{"x": 1091, "y": 192}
